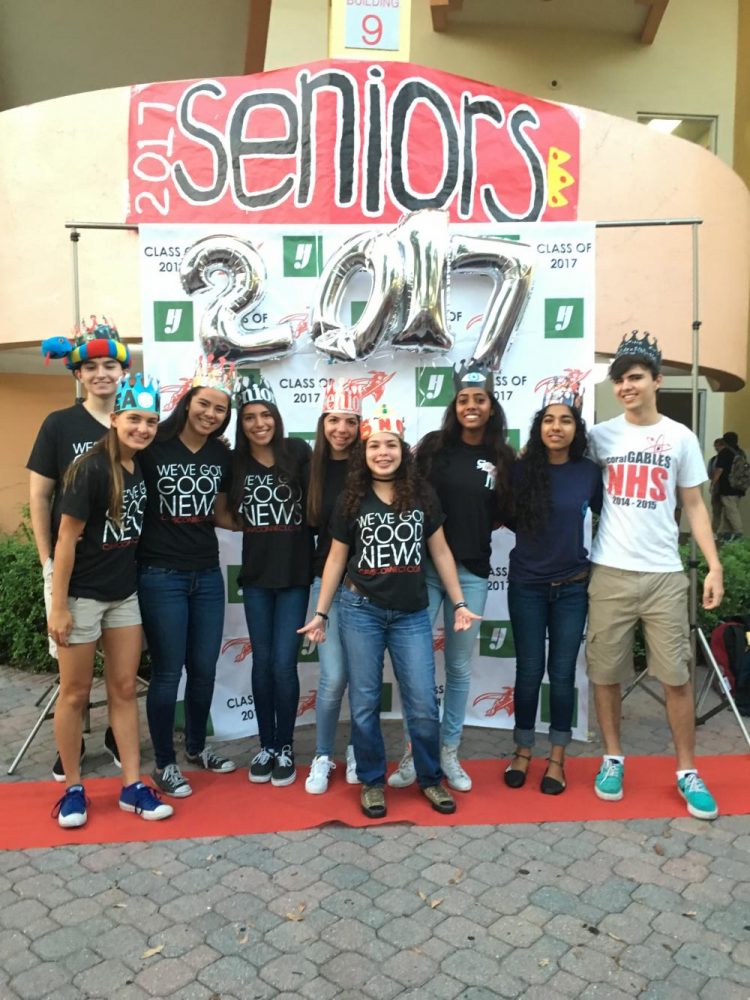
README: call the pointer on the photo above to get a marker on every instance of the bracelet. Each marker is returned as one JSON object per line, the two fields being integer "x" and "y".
{"x": 460, "y": 604}
{"x": 321, "y": 615}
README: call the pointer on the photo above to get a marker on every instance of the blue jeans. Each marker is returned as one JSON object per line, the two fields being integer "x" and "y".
{"x": 273, "y": 617}
{"x": 459, "y": 646}
{"x": 538, "y": 611}
{"x": 333, "y": 676}
{"x": 366, "y": 632}
{"x": 183, "y": 618}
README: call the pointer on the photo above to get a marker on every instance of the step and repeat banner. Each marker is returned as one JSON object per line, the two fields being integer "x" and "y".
{"x": 378, "y": 223}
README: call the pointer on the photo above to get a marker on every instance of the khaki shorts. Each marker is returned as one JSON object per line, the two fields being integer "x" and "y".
{"x": 618, "y": 599}
{"x": 91, "y": 617}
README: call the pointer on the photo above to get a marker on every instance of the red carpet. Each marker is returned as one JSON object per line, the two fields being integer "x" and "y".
{"x": 226, "y": 805}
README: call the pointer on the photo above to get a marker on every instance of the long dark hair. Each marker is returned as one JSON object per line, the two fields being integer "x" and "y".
{"x": 408, "y": 488}
{"x": 533, "y": 500}
{"x": 321, "y": 454}
{"x": 494, "y": 439}
{"x": 283, "y": 459}
{"x": 174, "y": 425}
{"x": 109, "y": 447}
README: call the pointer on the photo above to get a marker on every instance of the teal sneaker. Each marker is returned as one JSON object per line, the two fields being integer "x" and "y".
{"x": 700, "y": 802}
{"x": 608, "y": 782}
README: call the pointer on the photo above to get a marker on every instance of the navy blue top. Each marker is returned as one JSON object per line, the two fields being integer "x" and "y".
{"x": 556, "y": 551}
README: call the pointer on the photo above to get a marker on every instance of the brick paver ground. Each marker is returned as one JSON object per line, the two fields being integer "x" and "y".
{"x": 655, "y": 909}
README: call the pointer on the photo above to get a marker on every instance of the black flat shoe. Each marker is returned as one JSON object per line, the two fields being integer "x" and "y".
{"x": 515, "y": 778}
{"x": 551, "y": 786}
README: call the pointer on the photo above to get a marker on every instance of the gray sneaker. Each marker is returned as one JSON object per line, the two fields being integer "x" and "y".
{"x": 208, "y": 760}
{"x": 405, "y": 774}
{"x": 172, "y": 781}
{"x": 455, "y": 775}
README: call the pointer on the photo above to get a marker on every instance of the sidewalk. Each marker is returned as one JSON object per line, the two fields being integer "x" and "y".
{"x": 654, "y": 909}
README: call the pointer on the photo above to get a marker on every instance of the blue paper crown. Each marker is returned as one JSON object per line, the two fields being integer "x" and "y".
{"x": 633, "y": 345}
{"x": 473, "y": 375}
{"x": 249, "y": 391}
{"x": 137, "y": 392}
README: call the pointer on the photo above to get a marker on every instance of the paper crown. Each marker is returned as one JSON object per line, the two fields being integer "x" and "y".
{"x": 473, "y": 375}
{"x": 247, "y": 390}
{"x": 137, "y": 392}
{"x": 90, "y": 340}
{"x": 645, "y": 346}
{"x": 382, "y": 421}
{"x": 214, "y": 374}
{"x": 562, "y": 390}
{"x": 341, "y": 397}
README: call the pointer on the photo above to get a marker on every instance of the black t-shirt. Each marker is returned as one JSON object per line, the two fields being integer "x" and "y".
{"x": 724, "y": 462}
{"x": 334, "y": 477}
{"x": 277, "y": 544}
{"x": 63, "y": 436}
{"x": 463, "y": 477}
{"x": 105, "y": 554}
{"x": 386, "y": 556}
{"x": 178, "y": 530}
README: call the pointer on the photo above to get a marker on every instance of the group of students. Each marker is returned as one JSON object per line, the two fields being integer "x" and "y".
{"x": 387, "y": 537}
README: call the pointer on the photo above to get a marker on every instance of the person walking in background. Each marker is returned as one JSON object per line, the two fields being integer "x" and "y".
{"x": 647, "y": 459}
{"x": 97, "y": 359}
{"x": 725, "y": 487}
{"x": 270, "y": 475}
{"x": 554, "y": 487}
{"x": 467, "y": 462}
{"x": 381, "y": 526}
{"x": 715, "y": 499}
{"x": 180, "y": 584}
{"x": 335, "y": 436}
{"x": 94, "y": 596}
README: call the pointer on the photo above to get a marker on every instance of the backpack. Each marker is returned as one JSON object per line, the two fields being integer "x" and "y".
{"x": 730, "y": 644}
{"x": 739, "y": 472}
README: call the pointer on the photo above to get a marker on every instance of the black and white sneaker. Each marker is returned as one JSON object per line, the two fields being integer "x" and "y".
{"x": 283, "y": 770}
{"x": 172, "y": 781}
{"x": 58, "y": 772}
{"x": 261, "y": 766}
{"x": 110, "y": 743}
{"x": 210, "y": 761}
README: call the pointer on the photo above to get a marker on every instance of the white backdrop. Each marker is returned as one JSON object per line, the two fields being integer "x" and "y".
{"x": 555, "y": 339}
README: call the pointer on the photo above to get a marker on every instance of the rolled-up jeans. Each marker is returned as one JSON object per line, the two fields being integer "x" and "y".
{"x": 539, "y": 610}
{"x": 367, "y": 632}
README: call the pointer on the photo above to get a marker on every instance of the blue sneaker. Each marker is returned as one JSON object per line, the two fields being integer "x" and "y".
{"x": 608, "y": 782}
{"x": 70, "y": 810}
{"x": 700, "y": 802}
{"x": 143, "y": 800}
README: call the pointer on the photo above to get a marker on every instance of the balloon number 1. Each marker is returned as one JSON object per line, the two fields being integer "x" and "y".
{"x": 409, "y": 267}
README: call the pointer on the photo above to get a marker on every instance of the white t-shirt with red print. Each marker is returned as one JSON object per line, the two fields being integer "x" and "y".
{"x": 642, "y": 468}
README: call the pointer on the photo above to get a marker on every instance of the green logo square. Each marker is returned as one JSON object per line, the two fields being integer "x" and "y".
{"x": 386, "y": 698}
{"x": 308, "y": 651}
{"x": 173, "y": 321}
{"x": 304, "y": 435}
{"x": 434, "y": 386}
{"x": 357, "y": 307}
{"x": 544, "y": 712}
{"x": 303, "y": 256}
{"x": 563, "y": 319}
{"x": 234, "y": 590}
{"x": 179, "y": 719}
{"x": 514, "y": 438}
{"x": 496, "y": 639}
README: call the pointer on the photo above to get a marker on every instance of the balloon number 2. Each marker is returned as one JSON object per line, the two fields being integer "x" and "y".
{"x": 410, "y": 269}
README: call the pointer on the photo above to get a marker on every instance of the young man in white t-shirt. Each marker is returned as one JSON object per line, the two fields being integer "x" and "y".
{"x": 649, "y": 462}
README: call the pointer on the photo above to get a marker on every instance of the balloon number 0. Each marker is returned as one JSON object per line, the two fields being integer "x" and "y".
{"x": 410, "y": 269}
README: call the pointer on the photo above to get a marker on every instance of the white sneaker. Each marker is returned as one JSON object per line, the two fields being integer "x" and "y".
{"x": 455, "y": 775}
{"x": 405, "y": 774}
{"x": 317, "y": 780}
{"x": 351, "y": 767}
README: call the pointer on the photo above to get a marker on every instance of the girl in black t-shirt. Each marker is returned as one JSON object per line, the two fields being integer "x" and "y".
{"x": 336, "y": 434}
{"x": 180, "y": 584}
{"x": 93, "y": 596}
{"x": 269, "y": 483}
{"x": 467, "y": 462}
{"x": 380, "y": 528}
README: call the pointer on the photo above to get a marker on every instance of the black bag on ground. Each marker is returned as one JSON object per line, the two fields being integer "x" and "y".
{"x": 730, "y": 644}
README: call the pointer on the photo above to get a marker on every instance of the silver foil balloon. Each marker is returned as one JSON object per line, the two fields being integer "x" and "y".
{"x": 511, "y": 267}
{"x": 235, "y": 271}
{"x": 425, "y": 244}
{"x": 380, "y": 256}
